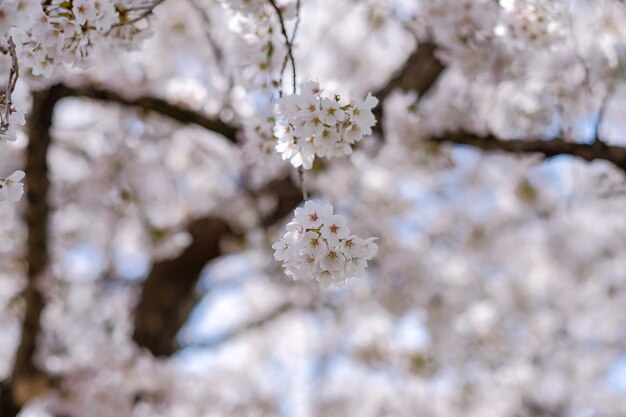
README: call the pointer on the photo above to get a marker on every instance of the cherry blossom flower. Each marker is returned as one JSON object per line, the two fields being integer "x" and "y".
{"x": 312, "y": 215}
{"x": 11, "y": 188}
{"x": 331, "y": 112}
{"x": 334, "y": 229}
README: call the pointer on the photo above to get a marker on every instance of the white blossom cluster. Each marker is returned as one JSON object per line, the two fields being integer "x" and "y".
{"x": 318, "y": 246}
{"x": 11, "y": 188}
{"x": 314, "y": 125}
{"x": 67, "y": 31}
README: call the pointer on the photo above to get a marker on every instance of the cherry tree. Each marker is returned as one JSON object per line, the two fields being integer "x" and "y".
{"x": 312, "y": 208}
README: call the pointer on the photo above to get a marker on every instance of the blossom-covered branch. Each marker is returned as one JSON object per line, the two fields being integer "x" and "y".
{"x": 422, "y": 69}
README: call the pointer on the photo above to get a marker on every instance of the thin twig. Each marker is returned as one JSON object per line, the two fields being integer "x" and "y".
{"x": 293, "y": 37}
{"x": 288, "y": 44}
{"x": 14, "y": 74}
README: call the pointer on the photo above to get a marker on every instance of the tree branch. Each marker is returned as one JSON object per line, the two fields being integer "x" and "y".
{"x": 549, "y": 148}
{"x": 420, "y": 73}
{"x": 152, "y": 104}
{"x": 26, "y": 379}
{"x": 288, "y": 45}
{"x": 169, "y": 290}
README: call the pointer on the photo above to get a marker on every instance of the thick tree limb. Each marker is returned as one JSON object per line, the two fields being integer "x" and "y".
{"x": 169, "y": 290}
{"x": 549, "y": 148}
{"x": 7, "y": 405}
{"x": 152, "y": 104}
{"x": 26, "y": 379}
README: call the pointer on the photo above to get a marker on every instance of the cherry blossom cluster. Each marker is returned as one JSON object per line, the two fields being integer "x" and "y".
{"x": 11, "y": 188}
{"x": 68, "y": 31}
{"x": 318, "y": 246}
{"x": 311, "y": 125}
